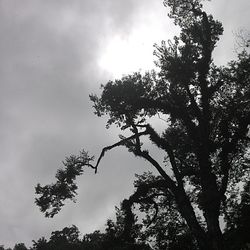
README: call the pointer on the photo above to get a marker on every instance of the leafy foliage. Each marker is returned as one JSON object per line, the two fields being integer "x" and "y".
{"x": 20, "y": 246}
{"x": 69, "y": 238}
{"x": 52, "y": 196}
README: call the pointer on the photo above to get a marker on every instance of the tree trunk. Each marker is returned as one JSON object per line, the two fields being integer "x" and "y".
{"x": 210, "y": 201}
{"x": 215, "y": 236}
{"x": 187, "y": 212}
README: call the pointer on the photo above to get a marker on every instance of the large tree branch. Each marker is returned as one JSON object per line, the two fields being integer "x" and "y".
{"x": 203, "y": 71}
{"x": 179, "y": 111}
{"x": 144, "y": 154}
{"x": 161, "y": 186}
{"x": 141, "y": 195}
{"x": 169, "y": 182}
{"x": 163, "y": 144}
{"x": 120, "y": 143}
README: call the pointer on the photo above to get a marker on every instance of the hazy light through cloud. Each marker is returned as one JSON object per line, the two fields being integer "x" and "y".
{"x": 53, "y": 55}
{"x": 127, "y": 53}
{"x": 123, "y": 56}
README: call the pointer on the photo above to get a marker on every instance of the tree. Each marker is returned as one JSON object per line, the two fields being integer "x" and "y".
{"x": 41, "y": 244}
{"x": 68, "y": 238}
{"x": 20, "y": 246}
{"x": 242, "y": 40}
{"x": 162, "y": 224}
{"x": 206, "y": 136}
{"x": 238, "y": 224}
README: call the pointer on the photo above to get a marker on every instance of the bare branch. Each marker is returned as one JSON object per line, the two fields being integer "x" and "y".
{"x": 120, "y": 143}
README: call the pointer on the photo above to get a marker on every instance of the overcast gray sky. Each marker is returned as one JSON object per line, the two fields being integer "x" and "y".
{"x": 53, "y": 54}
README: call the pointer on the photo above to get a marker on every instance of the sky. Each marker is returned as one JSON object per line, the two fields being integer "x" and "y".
{"x": 54, "y": 53}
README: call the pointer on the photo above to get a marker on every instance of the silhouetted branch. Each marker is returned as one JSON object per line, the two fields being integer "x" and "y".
{"x": 120, "y": 143}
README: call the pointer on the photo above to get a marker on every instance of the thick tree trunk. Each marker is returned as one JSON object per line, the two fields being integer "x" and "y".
{"x": 187, "y": 212}
{"x": 210, "y": 200}
{"x": 215, "y": 236}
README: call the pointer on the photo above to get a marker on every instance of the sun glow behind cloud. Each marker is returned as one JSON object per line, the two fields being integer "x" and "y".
{"x": 127, "y": 53}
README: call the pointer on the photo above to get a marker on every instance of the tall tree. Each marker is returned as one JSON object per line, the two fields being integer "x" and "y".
{"x": 206, "y": 136}
{"x": 69, "y": 239}
{"x": 20, "y": 246}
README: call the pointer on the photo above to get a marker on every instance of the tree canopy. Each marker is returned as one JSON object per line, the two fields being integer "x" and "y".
{"x": 206, "y": 138}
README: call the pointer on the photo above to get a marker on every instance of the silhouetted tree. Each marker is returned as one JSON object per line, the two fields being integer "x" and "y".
{"x": 41, "y": 244}
{"x": 205, "y": 140}
{"x": 237, "y": 229}
{"x": 20, "y": 246}
{"x": 162, "y": 224}
{"x": 69, "y": 238}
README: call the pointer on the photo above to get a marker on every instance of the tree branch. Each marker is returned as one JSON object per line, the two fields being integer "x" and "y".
{"x": 120, "y": 143}
{"x": 141, "y": 192}
{"x": 163, "y": 144}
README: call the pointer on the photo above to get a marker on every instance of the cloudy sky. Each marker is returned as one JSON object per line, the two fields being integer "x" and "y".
{"x": 53, "y": 54}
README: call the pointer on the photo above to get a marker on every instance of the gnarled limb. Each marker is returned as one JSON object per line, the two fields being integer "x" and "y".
{"x": 120, "y": 143}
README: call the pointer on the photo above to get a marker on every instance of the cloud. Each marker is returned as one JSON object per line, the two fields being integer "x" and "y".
{"x": 233, "y": 17}
{"x": 49, "y": 53}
